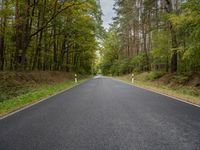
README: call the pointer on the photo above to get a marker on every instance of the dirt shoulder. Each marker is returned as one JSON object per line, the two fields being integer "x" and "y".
{"x": 184, "y": 87}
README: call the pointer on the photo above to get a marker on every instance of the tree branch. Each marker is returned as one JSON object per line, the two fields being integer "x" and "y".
{"x": 53, "y": 16}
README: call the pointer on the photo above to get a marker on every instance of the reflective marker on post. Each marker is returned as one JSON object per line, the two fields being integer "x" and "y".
{"x": 76, "y": 78}
{"x": 133, "y": 78}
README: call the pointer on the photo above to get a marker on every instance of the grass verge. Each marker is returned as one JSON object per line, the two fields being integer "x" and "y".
{"x": 31, "y": 97}
{"x": 184, "y": 93}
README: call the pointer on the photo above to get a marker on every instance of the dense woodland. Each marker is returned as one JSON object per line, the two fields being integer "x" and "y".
{"x": 49, "y": 34}
{"x": 64, "y": 35}
{"x": 161, "y": 35}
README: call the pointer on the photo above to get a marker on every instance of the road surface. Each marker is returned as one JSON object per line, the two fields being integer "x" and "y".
{"x": 103, "y": 114}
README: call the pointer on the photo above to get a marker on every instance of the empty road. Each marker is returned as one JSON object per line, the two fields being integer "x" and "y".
{"x": 103, "y": 114}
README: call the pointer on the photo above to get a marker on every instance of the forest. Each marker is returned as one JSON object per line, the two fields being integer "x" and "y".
{"x": 49, "y": 35}
{"x": 64, "y": 35}
{"x": 153, "y": 35}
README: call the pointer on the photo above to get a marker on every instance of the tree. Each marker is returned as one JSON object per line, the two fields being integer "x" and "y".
{"x": 49, "y": 34}
{"x": 152, "y": 34}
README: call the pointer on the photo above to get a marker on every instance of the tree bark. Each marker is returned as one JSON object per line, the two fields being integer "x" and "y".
{"x": 62, "y": 55}
{"x": 174, "y": 58}
{"x": 17, "y": 36}
{"x": 2, "y": 37}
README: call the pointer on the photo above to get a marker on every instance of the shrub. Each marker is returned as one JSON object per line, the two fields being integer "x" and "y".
{"x": 180, "y": 79}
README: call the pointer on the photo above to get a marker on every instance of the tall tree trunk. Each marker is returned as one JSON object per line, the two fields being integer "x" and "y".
{"x": 174, "y": 58}
{"x": 174, "y": 53}
{"x": 2, "y": 37}
{"x": 55, "y": 54}
{"x": 45, "y": 59}
{"x": 62, "y": 55}
{"x": 37, "y": 58}
{"x": 145, "y": 44}
{"x": 67, "y": 59}
{"x": 1, "y": 51}
{"x": 18, "y": 35}
{"x": 26, "y": 32}
{"x": 22, "y": 32}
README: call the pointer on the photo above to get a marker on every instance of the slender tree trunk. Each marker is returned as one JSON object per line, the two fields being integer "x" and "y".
{"x": 167, "y": 64}
{"x": 25, "y": 34}
{"x": 45, "y": 59}
{"x": 55, "y": 55}
{"x": 35, "y": 60}
{"x": 174, "y": 58}
{"x": 174, "y": 53}
{"x": 145, "y": 45}
{"x": 38, "y": 58}
{"x": 62, "y": 55}
{"x": 67, "y": 59}
{"x": 39, "y": 66}
{"x": 1, "y": 53}
{"x": 2, "y": 37}
{"x": 18, "y": 35}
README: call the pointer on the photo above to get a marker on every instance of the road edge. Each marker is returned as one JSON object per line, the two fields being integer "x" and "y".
{"x": 39, "y": 101}
{"x": 175, "y": 98}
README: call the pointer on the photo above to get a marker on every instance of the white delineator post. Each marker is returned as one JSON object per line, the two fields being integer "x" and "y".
{"x": 132, "y": 77}
{"x": 76, "y": 79}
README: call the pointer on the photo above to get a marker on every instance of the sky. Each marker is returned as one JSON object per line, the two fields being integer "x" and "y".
{"x": 107, "y": 8}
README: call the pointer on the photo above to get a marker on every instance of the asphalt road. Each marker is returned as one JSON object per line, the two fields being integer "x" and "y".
{"x": 103, "y": 114}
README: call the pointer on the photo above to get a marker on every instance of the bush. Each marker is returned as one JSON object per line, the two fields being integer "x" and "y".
{"x": 138, "y": 62}
{"x": 155, "y": 75}
{"x": 180, "y": 79}
{"x": 150, "y": 75}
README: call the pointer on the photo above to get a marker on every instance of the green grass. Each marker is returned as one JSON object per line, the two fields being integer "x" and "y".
{"x": 13, "y": 104}
{"x": 185, "y": 93}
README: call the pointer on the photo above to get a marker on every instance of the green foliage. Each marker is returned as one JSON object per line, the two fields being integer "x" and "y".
{"x": 150, "y": 76}
{"x": 161, "y": 40}
{"x": 187, "y": 25}
{"x": 160, "y": 49}
{"x": 124, "y": 66}
{"x": 138, "y": 62}
{"x": 49, "y": 35}
{"x": 110, "y": 53}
